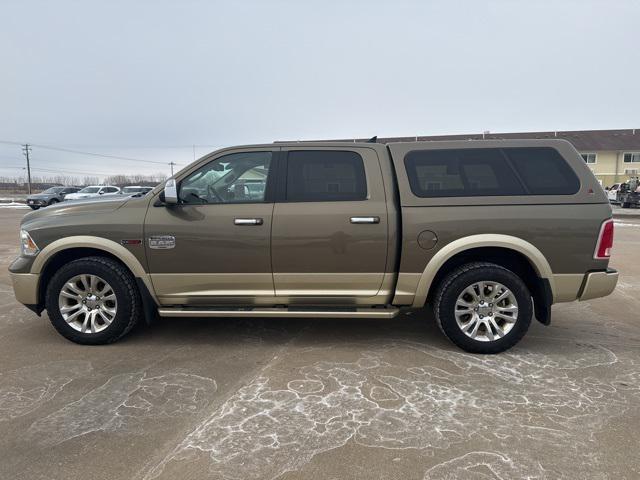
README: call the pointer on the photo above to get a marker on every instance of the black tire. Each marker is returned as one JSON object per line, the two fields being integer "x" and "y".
{"x": 459, "y": 279}
{"x": 625, "y": 205}
{"x": 129, "y": 304}
{"x": 53, "y": 201}
{"x": 32, "y": 207}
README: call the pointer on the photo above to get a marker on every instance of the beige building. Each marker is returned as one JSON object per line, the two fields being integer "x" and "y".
{"x": 612, "y": 155}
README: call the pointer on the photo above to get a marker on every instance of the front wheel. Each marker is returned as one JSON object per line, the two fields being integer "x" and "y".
{"x": 33, "y": 207}
{"x": 93, "y": 300}
{"x": 53, "y": 201}
{"x": 483, "y": 307}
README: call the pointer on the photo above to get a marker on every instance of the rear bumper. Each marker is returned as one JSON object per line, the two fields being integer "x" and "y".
{"x": 598, "y": 284}
{"x": 25, "y": 287}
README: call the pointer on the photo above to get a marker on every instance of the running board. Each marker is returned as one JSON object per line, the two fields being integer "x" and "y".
{"x": 279, "y": 312}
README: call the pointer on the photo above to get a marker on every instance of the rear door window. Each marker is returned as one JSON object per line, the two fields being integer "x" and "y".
{"x": 325, "y": 176}
{"x": 461, "y": 173}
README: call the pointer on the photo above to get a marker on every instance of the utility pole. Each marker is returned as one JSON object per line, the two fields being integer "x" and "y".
{"x": 26, "y": 149}
{"x": 172, "y": 164}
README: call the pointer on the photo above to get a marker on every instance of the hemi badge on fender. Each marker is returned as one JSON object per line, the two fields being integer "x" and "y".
{"x": 162, "y": 242}
{"x": 132, "y": 241}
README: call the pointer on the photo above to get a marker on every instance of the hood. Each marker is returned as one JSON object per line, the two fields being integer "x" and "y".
{"x": 94, "y": 205}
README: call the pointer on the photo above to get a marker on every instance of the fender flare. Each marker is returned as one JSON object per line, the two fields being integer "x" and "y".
{"x": 97, "y": 243}
{"x": 530, "y": 251}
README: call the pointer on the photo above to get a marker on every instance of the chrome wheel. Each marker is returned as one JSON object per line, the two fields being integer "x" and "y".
{"x": 87, "y": 303}
{"x": 486, "y": 311}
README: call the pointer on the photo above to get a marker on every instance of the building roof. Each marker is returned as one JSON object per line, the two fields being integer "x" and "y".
{"x": 583, "y": 140}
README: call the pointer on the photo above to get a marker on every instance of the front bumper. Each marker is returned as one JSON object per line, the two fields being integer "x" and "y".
{"x": 36, "y": 203}
{"x": 25, "y": 287}
{"x": 598, "y": 284}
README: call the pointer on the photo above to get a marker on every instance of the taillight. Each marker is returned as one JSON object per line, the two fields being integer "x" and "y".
{"x": 605, "y": 241}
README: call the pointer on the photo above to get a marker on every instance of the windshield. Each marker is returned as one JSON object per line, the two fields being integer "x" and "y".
{"x": 90, "y": 190}
{"x": 53, "y": 190}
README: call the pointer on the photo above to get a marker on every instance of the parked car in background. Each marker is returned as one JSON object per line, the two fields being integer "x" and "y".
{"x": 93, "y": 191}
{"x": 50, "y": 196}
{"x": 612, "y": 192}
{"x": 132, "y": 190}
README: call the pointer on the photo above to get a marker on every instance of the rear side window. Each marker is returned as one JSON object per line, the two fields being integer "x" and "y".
{"x": 461, "y": 173}
{"x": 325, "y": 175}
{"x": 472, "y": 172}
{"x": 543, "y": 171}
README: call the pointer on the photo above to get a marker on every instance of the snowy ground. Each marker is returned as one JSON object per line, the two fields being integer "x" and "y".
{"x": 324, "y": 399}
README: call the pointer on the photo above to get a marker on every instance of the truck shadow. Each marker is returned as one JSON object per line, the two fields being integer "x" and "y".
{"x": 418, "y": 326}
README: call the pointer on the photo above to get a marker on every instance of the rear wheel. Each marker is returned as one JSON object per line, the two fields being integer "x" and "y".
{"x": 33, "y": 207}
{"x": 624, "y": 204}
{"x": 93, "y": 300}
{"x": 483, "y": 307}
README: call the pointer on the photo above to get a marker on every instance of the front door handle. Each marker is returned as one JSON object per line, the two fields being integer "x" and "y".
{"x": 248, "y": 221}
{"x": 358, "y": 220}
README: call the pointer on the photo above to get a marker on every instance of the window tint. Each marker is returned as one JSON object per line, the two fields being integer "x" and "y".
{"x": 110, "y": 189}
{"x": 235, "y": 178}
{"x": 461, "y": 173}
{"x": 325, "y": 175}
{"x": 543, "y": 171}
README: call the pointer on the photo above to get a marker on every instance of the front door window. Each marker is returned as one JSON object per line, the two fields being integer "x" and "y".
{"x": 235, "y": 178}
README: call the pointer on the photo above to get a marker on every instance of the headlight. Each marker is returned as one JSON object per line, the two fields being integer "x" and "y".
{"x": 27, "y": 245}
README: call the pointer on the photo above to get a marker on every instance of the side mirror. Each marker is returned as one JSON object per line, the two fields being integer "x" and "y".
{"x": 100, "y": 192}
{"x": 171, "y": 192}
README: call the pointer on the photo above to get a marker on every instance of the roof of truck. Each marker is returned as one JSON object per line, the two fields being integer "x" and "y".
{"x": 583, "y": 140}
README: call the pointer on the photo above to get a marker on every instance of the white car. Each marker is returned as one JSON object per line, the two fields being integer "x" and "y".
{"x": 93, "y": 191}
{"x": 612, "y": 192}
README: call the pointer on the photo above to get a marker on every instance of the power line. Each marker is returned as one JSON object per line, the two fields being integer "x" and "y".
{"x": 49, "y": 170}
{"x": 79, "y": 152}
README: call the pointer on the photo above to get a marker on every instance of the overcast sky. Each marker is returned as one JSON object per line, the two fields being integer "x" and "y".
{"x": 121, "y": 77}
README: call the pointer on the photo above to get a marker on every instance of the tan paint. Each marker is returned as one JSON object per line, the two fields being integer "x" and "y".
{"x": 537, "y": 259}
{"x": 331, "y": 284}
{"x": 25, "y": 287}
{"x": 99, "y": 243}
{"x": 567, "y": 286}
{"x": 406, "y": 288}
{"x": 598, "y": 284}
{"x": 244, "y": 289}
{"x": 172, "y": 285}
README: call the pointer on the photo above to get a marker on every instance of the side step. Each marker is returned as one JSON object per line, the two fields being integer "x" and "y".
{"x": 279, "y": 312}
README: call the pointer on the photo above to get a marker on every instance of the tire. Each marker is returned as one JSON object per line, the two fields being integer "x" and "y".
{"x": 53, "y": 201}
{"x": 126, "y": 301}
{"x": 33, "y": 207}
{"x": 624, "y": 204}
{"x": 451, "y": 290}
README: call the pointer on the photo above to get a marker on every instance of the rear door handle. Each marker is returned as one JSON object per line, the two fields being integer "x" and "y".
{"x": 248, "y": 221}
{"x": 359, "y": 220}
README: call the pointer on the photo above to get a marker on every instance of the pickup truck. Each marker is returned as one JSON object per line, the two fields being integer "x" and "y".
{"x": 486, "y": 234}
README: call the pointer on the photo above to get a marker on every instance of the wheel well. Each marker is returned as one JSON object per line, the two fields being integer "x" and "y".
{"x": 509, "y": 259}
{"x": 65, "y": 256}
